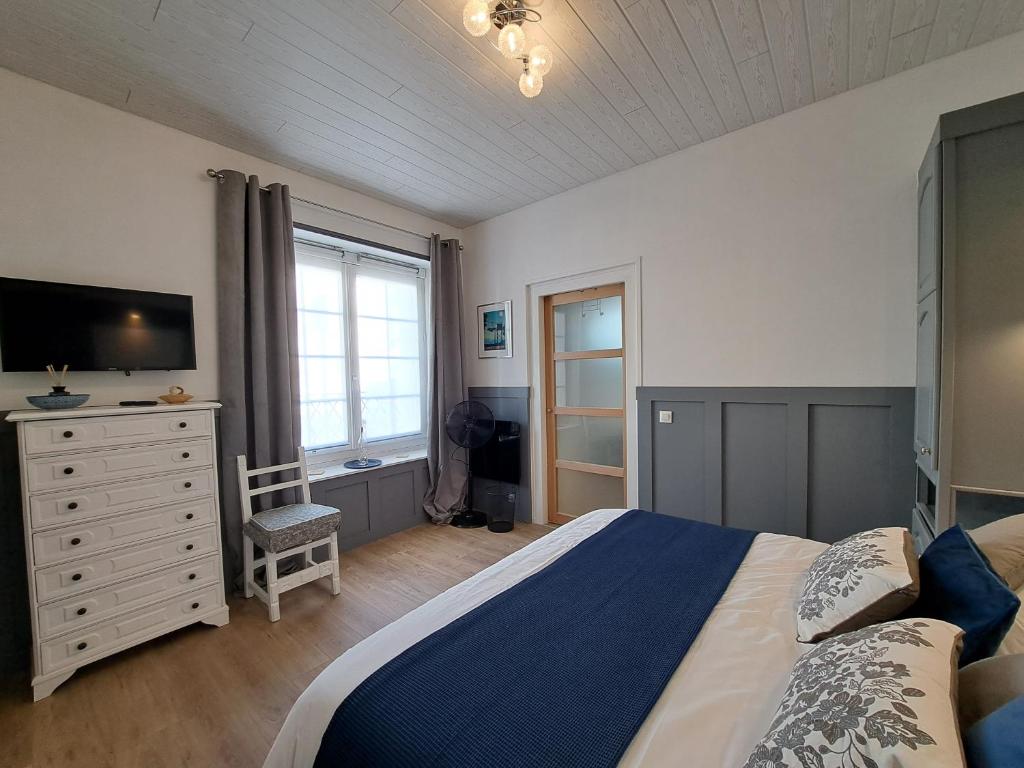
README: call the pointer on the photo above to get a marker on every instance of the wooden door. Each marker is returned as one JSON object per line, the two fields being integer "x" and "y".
{"x": 585, "y": 396}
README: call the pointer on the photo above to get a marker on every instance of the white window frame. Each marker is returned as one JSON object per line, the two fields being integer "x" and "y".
{"x": 352, "y": 263}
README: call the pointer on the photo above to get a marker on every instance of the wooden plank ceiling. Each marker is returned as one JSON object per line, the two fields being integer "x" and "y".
{"x": 393, "y": 98}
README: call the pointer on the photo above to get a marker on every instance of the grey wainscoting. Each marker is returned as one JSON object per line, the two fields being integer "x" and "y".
{"x": 375, "y": 502}
{"x": 806, "y": 461}
{"x": 508, "y": 404}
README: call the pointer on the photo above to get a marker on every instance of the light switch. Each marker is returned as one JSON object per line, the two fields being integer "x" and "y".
{"x": 665, "y": 417}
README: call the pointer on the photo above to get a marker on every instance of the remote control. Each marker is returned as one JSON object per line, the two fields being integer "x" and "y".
{"x": 138, "y": 402}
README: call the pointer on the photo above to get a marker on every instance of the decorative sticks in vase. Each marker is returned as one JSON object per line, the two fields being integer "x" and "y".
{"x": 57, "y": 381}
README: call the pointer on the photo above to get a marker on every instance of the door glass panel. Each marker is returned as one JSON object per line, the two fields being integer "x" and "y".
{"x": 586, "y": 325}
{"x": 589, "y": 439}
{"x": 582, "y": 492}
{"x": 589, "y": 383}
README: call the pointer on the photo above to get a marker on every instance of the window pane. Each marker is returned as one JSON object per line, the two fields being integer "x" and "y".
{"x": 589, "y": 383}
{"x": 582, "y": 492}
{"x": 323, "y": 375}
{"x": 390, "y": 368}
{"x": 321, "y": 333}
{"x": 322, "y": 378}
{"x": 319, "y": 287}
{"x": 384, "y": 377}
{"x": 391, "y": 416}
{"x": 589, "y": 439}
{"x": 324, "y": 422}
{"x": 402, "y": 298}
{"x": 585, "y": 325}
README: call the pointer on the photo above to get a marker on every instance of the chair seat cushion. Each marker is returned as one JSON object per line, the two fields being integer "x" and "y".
{"x": 282, "y": 528}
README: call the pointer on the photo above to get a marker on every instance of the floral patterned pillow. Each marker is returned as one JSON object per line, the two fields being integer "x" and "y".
{"x": 861, "y": 580}
{"x": 879, "y": 697}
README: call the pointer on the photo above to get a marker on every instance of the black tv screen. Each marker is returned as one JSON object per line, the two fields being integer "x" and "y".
{"x": 93, "y": 329}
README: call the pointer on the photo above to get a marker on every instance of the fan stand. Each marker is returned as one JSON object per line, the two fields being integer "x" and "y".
{"x": 466, "y": 516}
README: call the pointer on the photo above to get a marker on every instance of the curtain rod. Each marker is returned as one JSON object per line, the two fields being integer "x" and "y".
{"x": 220, "y": 177}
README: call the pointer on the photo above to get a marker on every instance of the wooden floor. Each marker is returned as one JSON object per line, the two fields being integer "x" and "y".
{"x": 217, "y": 697}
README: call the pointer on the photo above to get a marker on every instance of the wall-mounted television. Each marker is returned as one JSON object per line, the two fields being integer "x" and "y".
{"x": 90, "y": 328}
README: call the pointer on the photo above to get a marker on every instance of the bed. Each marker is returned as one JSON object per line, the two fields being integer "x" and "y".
{"x": 721, "y": 697}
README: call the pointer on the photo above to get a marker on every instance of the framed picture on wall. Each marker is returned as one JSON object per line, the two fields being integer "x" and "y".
{"x": 494, "y": 329}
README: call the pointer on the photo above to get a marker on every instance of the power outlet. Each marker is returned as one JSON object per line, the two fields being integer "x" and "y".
{"x": 665, "y": 417}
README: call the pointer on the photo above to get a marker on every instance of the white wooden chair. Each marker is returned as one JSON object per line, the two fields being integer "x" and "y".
{"x": 282, "y": 532}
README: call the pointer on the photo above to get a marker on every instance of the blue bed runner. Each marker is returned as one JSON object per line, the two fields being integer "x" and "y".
{"x": 559, "y": 670}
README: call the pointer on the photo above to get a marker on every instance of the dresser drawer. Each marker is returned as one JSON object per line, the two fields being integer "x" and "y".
{"x": 102, "y": 604}
{"x": 85, "y": 538}
{"x": 87, "y": 573}
{"x": 78, "y": 647}
{"x": 83, "y": 469}
{"x": 73, "y": 506}
{"x": 89, "y": 433}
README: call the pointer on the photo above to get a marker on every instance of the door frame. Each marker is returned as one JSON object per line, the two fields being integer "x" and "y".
{"x": 629, "y": 275}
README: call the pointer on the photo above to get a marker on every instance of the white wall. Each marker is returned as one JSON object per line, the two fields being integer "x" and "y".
{"x": 90, "y": 194}
{"x": 779, "y": 255}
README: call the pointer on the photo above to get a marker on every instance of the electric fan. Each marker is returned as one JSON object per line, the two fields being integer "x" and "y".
{"x": 469, "y": 425}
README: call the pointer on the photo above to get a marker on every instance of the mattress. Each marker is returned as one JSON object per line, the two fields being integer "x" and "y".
{"x": 716, "y": 706}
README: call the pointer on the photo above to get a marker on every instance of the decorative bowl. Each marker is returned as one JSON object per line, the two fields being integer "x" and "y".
{"x": 176, "y": 399}
{"x": 55, "y": 402}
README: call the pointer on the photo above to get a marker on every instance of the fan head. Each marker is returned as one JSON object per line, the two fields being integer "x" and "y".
{"x": 469, "y": 424}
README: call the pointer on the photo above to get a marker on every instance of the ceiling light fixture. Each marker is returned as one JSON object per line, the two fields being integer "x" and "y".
{"x": 508, "y": 17}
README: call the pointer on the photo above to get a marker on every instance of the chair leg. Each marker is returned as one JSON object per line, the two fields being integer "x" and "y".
{"x": 272, "y": 589}
{"x": 249, "y": 573}
{"x": 335, "y": 568}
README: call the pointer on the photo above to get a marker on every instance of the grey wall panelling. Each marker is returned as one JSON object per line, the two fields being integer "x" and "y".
{"x": 814, "y": 462}
{"x": 508, "y": 404}
{"x": 375, "y": 502}
{"x": 16, "y": 635}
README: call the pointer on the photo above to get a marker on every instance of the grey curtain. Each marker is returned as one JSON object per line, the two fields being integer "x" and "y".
{"x": 257, "y": 331}
{"x": 447, "y": 474}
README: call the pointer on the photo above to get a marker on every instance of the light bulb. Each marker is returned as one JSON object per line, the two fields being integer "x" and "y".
{"x": 541, "y": 59}
{"x": 530, "y": 84}
{"x": 512, "y": 41}
{"x": 476, "y": 17}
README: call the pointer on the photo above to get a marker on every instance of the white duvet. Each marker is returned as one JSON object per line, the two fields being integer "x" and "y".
{"x": 717, "y": 705}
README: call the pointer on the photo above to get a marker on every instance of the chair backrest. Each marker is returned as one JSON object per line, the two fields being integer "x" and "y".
{"x": 246, "y": 493}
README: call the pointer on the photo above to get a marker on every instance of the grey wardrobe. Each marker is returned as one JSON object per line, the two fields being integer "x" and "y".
{"x": 969, "y": 401}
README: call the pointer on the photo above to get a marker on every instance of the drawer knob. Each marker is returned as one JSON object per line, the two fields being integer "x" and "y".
{"x": 75, "y": 541}
{"x": 185, "y": 454}
{"x": 69, "y": 470}
{"x": 182, "y": 424}
{"x": 82, "y": 646}
{"x": 189, "y": 516}
{"x": 73, "y": 505}
{"x": 190, "y": 547}
{"x": 82, "y": 611}
{"x": 68, "y": 433}
{"x": 194, "y": 606}
{"x": 191, "y": 577}
{"x": 188, "y": 483}
{"x": 76, "y": 577}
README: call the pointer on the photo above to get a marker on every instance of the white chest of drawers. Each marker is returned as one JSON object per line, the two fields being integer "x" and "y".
{"x": 122, "y": 530}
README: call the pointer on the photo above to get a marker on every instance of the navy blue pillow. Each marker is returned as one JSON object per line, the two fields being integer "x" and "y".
{"x": 996, "y": 741}
{"x": 959, "y": 586}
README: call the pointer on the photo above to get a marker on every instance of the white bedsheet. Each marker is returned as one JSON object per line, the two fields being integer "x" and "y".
{"x": 717, "y": 705}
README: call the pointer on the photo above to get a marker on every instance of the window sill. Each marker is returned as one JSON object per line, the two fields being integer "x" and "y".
{"x": 329, "y": 471}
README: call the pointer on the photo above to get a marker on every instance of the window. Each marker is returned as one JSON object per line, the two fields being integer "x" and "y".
{"x": 362, "y": 347}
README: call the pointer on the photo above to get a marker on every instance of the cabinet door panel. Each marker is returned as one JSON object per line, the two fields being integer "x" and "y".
{"x": 929, "y": 223}
{"x": 926, "y": 401}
